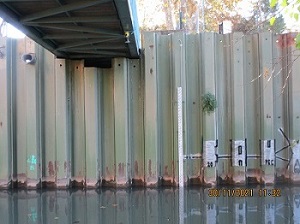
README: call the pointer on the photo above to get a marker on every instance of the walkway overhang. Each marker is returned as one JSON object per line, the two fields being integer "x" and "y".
{"x": 78, "y": 29}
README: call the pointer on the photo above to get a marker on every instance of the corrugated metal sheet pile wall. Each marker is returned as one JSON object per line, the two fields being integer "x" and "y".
{"x": 63, "y": 124}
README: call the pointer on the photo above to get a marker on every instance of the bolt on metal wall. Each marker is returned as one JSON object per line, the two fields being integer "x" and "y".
{"x": 63, "y": 124}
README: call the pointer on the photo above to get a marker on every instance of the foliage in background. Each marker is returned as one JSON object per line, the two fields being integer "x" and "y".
{"x": 189, "y": 12}
{"x": 259, "y": 19}
{"x": 188, "y": 15}
{"x": 209, "y": 103}
{"x": 292, "y": 8}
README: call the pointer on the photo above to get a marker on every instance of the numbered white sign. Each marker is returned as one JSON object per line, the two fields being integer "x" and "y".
{"x": 239, "y": 153}
{"x": 296, "y": 159}
{"x": 240, "y": 213}
{"x": 209, "y": 154}
{"x": 268, "y": 153}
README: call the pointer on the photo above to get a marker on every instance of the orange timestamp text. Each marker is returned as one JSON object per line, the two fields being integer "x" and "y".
{"x": 243, "y": 192}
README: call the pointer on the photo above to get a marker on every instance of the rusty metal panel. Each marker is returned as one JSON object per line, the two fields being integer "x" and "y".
{"x": 193, "y": 109}
{"x": 223, "y": 95}
{"x": 252, "y": 108}
{"x": 20, "y": 122}
{"x": 121, "y": 121}
{"x": 279, "y": 76}
{"x": 62, "y": 123}
{"x": 292, "y": 78}
{"x": 165, "y": 128}
{"x": 32, "y": 110}
{"x": 178, "y": 80}
{"x": 152, "y": 154}
{"x": 78, "y": 144}
{"x": 267, "y": 106}
{"x": 136, "y": 121}
{"x": 5, "y": 115}
{"x": 108, "y": 134}
{"x": 46, "y": 68}
{"x": 238, "y": 101}
{"x": 209, "y": 120}
{"x": 91, "y": 107}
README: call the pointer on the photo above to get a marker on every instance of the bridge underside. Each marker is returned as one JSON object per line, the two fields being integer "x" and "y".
{"x": 94, "y": 30}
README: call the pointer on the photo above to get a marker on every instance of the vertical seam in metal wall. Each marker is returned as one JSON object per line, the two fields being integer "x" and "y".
{"x": 142, "y": 90}
{"x": 215, "y": 92}
{"x": 170, "y": 42}
{"x": 158, "y": 109}
{"x": 56, "y": 164}
{"x": 114, "y": 123}
{"x": 70, "y": 73}
{"x": 84, "y": 123}
{"x": 182, "y": 113}
{"x": 99, "y": 134}
{"x": 128, "y": 134}
{"x": 26, "y": 116}
{"x": 39, "y": 108}
{"x": 11, "y": 121}
{"x": 157, "y": 100}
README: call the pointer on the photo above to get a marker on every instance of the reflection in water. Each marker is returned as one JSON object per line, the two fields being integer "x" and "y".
{"x": 150, "y": 206}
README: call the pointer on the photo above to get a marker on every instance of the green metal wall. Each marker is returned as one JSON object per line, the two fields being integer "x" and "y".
{"x": 63, "y": 124}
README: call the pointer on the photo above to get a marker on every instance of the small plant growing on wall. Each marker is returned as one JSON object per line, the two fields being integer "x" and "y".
{"x": 209, "y": 103}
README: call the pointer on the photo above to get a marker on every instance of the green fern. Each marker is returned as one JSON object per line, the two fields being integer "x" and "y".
{"x": 209, "y": 103}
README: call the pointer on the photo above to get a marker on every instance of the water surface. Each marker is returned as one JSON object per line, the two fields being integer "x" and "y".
{"x": 168, "y": 205}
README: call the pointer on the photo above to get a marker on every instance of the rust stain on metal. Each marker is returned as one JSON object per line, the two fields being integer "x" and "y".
{"x": 107, "y": 171}
{"x": 137, "y": 183}
{"x": 51, "y": 168}
{"x": 173, "y": 168}
{"x": 56, "y": 165}
{"x": 166, "y": 173}
{"x": 286, "y": 40}
{"x": 150, "y": 168}
{"x": 67, "y": 166}
{"x": 121, "y": 169}
{"x": 136, "y": 167}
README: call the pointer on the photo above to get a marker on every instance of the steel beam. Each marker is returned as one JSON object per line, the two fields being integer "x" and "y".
{"x": 62, "y": 9}
{"x": 81, "y": 29}
{"x": 74, "y": 19}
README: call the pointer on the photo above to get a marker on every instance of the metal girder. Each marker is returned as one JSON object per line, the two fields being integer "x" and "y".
{"x": 126, "y": 10}
{"x": 79, "y": 36}
{"x": 81, "y": 43}
{"x": 11, "y": 18}
{"x": 110, "y": 53}
{"x": 20, "y": 0}
{"x": 66, "y": 26}
{"x": 100, "y": 47}
{"x": 62, "y": 9}
{"x": 80, "y": 29}
{"x": 74, "y": 19}
{"x": 89, "y": 56}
